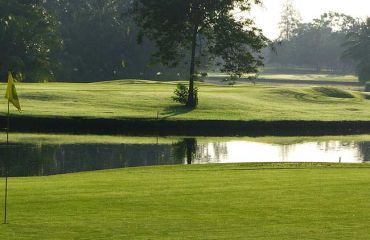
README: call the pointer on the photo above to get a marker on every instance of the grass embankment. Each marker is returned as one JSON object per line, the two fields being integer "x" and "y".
{"x": 311, "y": 77}
{"x": 301, "y": 76}
{"x": 29, "y": 138}
{"x": 146, "y": 99}
{"x": 260, "y": 201}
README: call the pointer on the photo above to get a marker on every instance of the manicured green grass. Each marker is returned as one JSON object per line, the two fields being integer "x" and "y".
{"x": 303, "y": 77}
{"x": 311, "y": 77}
{"x": 148, "y": 99}
{"x": 255, "y": 201}
{"x": 30, "y": 138}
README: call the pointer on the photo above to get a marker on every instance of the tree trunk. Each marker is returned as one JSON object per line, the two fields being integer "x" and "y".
{"x": 191, "y": 101}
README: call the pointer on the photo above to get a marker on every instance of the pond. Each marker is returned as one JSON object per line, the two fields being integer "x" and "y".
{"x": 41, "y": 155}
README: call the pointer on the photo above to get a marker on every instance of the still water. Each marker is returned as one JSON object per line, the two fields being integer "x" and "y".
{"x": 39, "y": 157}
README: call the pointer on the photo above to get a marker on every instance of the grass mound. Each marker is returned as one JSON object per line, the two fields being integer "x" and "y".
{"x": 311, "y": 77}
{"x": 333, "y": 92}
{"x": 292, "y": 94}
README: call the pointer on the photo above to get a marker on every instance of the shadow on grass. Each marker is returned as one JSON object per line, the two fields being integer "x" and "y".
{"x": 175, "y": 110}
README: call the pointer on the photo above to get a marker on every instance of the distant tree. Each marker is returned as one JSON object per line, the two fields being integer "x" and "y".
{"x": 179, "y": 27}
{"x": 27, "y": 40}
{"x": 337, "y": 22}
{"x": 317, "y": 45}
{"x": 358, "y": 49}
{"x": 290, "y": 20}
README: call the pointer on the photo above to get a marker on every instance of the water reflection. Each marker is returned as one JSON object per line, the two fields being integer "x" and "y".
{"x": 240, "y": 151}
{"x": 28, "y": 160}
{"x": 48, "y": 159}
{"x": 185, "y": 149}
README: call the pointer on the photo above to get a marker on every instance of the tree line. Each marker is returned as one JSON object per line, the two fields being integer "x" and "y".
{"x": 77, "y": 41}
{"x": 334, "y": 42}
{"x": 93, "y": 40}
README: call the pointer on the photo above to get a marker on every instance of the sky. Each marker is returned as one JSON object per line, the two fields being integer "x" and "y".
{"x": 267, "y": 16}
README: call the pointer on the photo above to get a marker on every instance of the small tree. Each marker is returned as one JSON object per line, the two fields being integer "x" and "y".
{"x": 179, "y": 27}
{"x": 358, "y": 49}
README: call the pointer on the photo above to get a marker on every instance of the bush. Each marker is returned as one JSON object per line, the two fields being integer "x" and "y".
{"x": 367, "y": 87}
{"x": 231, "y": 80}
{"x": 181, "y": 94}
{"x": 364, "y": 74}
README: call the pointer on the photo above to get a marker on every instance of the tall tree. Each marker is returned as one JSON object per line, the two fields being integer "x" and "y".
{"x": 358, "y": 49}
{"x": 27, "y": 39}
{"x": 290, "y": 20}
{"x": 179, "y": 27}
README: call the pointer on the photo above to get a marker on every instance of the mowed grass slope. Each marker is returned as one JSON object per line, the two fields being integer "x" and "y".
{"x": 265, "y": 201}
{"x": 311, "y": 77}
{"x": 299, "y": 76}
{"x": 56, "y": 139}
{"x": 146, "y": 99}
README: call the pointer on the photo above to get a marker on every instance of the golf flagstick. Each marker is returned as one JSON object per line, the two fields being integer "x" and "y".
{"x": 6, "y": 169}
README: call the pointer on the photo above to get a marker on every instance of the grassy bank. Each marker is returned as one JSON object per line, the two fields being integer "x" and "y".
{"x": 301, "y": 76}
{"x": 311, "y": 77}
{"x": 146, "y": 99}
{"x": 28, "y": 138}
{"x": 255, "y": 201}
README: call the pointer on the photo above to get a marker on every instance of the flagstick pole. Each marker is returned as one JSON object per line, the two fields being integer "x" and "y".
{"x": 7, "y": 127}
{"x": 6, "y": 169}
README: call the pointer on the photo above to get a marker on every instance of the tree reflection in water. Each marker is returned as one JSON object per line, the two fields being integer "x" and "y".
{"x": 45, "y": 159}
{"x": 186, "y": 149}
{"x": 48, "y": 159}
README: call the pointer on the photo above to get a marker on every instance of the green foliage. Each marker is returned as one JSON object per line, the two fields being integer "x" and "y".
{"x": 196, "y": 29}
{"x": 317, "y": 45}
{"x": 181, "y": 94}
{"x": 367, "y": 87}
{"x": 231, "y": 80}
{"x": 27, "y": 40}
{"x": 363, "y": 71}
{"x": 99, "y": 43}
{"x": 358, "y": 50}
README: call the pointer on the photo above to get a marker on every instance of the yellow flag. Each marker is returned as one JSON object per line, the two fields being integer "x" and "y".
{"x": 11, "y": 93}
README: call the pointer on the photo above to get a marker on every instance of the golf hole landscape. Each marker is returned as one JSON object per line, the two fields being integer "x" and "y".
{"x": 184, "y": 119}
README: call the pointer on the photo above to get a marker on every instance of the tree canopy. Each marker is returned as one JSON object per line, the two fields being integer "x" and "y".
{"x": 68, "y": 40}
{"x": 202, "y": 28}
{"x": 317, "y": 45}
{"x": 358, "y": 49}
{"x": 290, "y": 20}
{"x": 27, "y": 39}
{"x": 99, "y": 42}
{"x": 95, "y": 40}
